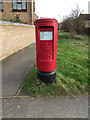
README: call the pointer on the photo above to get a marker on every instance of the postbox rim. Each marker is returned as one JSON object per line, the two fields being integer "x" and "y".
{"x": 46, "y": 20}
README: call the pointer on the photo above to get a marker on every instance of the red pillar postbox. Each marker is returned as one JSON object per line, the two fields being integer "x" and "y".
{"x": 46, "y": 48}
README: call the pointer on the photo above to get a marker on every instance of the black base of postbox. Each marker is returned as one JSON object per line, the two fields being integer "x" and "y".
{"x": 47, "y": 77}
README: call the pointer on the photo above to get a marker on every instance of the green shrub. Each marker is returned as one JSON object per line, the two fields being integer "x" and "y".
{"x": 11, "y": 20}
{"x": 17, "y": 19}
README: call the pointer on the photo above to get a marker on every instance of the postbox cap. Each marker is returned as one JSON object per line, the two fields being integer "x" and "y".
{"x": 46, "y": 20}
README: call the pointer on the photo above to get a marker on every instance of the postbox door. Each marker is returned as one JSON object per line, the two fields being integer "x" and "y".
{"x": 46, "y": 44}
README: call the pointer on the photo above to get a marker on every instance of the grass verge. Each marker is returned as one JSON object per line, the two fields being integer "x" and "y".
{"x": 72, "y": 70}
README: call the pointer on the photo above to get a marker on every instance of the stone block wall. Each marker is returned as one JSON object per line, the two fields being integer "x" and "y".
{"x": 14, "y": 38}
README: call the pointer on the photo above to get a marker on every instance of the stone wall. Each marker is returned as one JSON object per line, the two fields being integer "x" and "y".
{"x": 15, "y": 37}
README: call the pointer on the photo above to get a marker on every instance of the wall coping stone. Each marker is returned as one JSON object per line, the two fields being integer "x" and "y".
{"x": 14, "y": 23}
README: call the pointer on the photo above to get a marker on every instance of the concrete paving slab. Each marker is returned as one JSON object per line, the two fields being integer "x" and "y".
{"x": 55, "y": 107}
{"x": 15, "y": 69}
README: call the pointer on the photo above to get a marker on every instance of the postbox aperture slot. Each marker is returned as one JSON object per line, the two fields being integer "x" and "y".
{"x": 46, "y": 27}
{"x": 46, "y": 35}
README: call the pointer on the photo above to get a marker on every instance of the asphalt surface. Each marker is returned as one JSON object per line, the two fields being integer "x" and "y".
{"x": 55, "y": 107}
{"x": 15, "y": 69}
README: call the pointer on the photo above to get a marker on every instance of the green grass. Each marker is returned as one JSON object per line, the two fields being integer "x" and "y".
{"x": 72, "y": 70}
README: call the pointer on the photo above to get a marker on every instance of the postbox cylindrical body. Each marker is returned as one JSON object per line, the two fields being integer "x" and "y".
{"x": 46, "y": 44}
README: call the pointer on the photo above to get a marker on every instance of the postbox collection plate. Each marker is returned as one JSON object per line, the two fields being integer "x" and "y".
{"x": 46, "y": 35}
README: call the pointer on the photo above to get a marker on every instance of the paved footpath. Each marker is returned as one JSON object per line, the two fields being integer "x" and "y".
{"x": 15, "y": 70}
{"x": 55, "y": 107}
